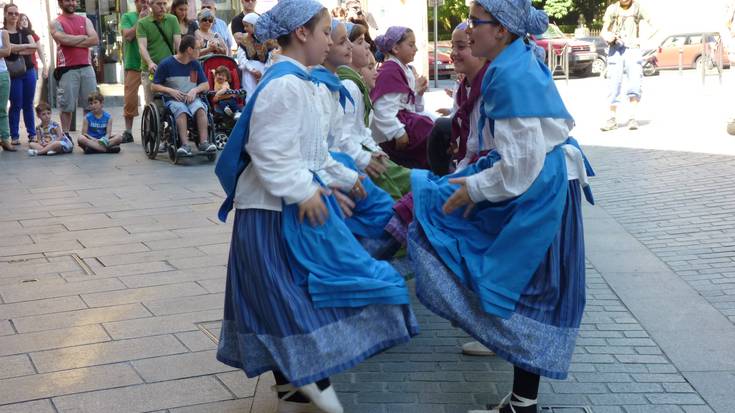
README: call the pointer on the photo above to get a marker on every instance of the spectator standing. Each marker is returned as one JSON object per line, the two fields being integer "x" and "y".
{"x": 4, "y": 92}
{"x": 25, "y": 23}
{"x": 180, "y": 9}
{"x": 621, "y": 29}
{"x": 210, "y": 42}
{"x": 219, "y": 27}
{"x": 75, "y": 78}
{"x": 131, "y": 58}
{"x": 237, "y": 27}
{"x": 158, "y": 36}
{"x": 22, "y": 75}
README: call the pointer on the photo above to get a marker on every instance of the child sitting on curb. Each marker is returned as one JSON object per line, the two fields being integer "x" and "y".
{"x": 97, "y": 134}
{"x": 51, "y": 137}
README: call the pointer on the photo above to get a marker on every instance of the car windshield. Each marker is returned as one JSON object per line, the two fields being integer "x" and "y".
{"x": 552, "y": 32}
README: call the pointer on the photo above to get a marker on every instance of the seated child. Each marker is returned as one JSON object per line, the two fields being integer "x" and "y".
{"x": 224, "y": 103}
{"x": 51, "y": 137}
{"x": 400, "y": 125}
{"x": 97, "y": 134}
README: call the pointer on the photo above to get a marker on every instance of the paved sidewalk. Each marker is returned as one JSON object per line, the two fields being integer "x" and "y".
{"x": 112, "y": 275}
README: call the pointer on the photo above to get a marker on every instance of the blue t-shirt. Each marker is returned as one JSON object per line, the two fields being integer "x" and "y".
{"x": 97, "y": 127}
{"x": 182, "y": 77}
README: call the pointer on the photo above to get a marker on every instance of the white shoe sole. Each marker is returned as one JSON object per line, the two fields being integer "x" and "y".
{"x": 474, "y": 348}
{"x": 326, "y": 399}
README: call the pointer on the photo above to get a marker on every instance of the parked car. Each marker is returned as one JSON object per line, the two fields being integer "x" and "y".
{"x": 690, "y": 44}
{"x": 446, "y": 67}
{"x": 599, "y": 66}
{"x": 581, "y": 56}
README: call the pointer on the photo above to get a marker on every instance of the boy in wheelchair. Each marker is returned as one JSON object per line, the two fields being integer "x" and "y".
{"x": 181, "y": 79}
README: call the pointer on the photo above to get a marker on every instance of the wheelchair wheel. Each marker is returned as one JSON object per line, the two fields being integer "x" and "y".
{"x": 173, "y": 140}
{"x": 220, "y": 139}
{"x": 150, "y": 130}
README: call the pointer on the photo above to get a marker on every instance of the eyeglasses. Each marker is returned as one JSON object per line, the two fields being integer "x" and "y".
{"x": 472, "y": 22}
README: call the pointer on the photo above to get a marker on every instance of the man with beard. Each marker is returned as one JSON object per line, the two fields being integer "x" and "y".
{"x": 74, "y": 75}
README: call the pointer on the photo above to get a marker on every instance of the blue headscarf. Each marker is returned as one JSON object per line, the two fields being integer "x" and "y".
{"x": 337, "y": 22}
{"x": 349, "y": 26}
{"x": 285, "y": 17}
{"x": 518, "y": 16}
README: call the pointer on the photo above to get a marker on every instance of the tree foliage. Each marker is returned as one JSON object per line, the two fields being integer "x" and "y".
{"x": 565, "y": 12}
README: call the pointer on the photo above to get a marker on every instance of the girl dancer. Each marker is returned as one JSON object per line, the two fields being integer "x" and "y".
{"x": 499, "y": 247}
{"x": 303, "y": 299}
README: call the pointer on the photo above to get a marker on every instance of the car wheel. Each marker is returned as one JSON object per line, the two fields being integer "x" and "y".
{"x": 649, "y": 69}
{"x": 599, "y": 66}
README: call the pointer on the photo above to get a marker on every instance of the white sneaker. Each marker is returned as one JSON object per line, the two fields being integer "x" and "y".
{"x": 49, "y": 153}
{"x": 32, "y": 152}
{"x": 285, "y": 406}
{"x": 325, "y": 399}
{"x": 508, "y": 400}
{"x": 475, "y": 348}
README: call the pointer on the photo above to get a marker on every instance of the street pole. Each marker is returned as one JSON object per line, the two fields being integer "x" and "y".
{"x": 436, "y": 40}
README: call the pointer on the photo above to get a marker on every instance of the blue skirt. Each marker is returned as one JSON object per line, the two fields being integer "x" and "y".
{"x": 540, "y": 334}
{"x": 270, "y": 322}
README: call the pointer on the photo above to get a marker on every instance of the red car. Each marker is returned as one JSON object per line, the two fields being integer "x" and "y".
{"x": 581, "y": 56}
{"x": 446, "y": 67}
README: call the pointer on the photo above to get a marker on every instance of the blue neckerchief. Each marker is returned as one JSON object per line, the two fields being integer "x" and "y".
{"x": 234, "y": 158}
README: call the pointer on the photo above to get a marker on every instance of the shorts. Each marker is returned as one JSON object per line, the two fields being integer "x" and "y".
{"x": 178, "y": 108}
{"x": 74, "y": 88}
{"x": 132, "y": 84}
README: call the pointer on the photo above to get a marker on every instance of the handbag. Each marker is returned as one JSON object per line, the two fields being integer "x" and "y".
{"x": 16, "y": 68}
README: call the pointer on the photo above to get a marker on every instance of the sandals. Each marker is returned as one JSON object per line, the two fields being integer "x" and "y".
{"x": 509, "y": 401}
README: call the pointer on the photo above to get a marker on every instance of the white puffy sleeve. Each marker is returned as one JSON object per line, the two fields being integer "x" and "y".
{"x": 522, "y": 148}
{"x": 385, "y": 124}
{"x": 274, "y": 144}
{"x": 352, "y": 127}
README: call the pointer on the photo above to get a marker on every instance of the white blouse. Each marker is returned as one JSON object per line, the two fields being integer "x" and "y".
{"x": 523, "y": 144}
{"x": 287, "y": 142}
{"x": 385, "y": 125}
{"x": 337, "y": 131}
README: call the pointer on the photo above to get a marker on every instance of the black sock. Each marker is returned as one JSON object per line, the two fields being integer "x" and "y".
{"x": 296, "y": 397}
{"x": 525, "y": 385}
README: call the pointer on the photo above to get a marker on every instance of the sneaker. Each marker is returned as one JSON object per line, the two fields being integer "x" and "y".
{"x": 184, "y": 150}
{"x": 114, "y": 149}
{"x": 633, "y": 124}
{"x": 50, "y": 153}
{"x": 474, "y": 348}
{"x": 32, "y": 152}
{"x": 611, "y": 124}
{"x": 15, "y": 141}
{"x": 127, "y": 137}
{"x": 88, "y": 150}
{"x": 228, "y": 111}
{"x": 207, "y": 147}
{"x": 163, "y": 147}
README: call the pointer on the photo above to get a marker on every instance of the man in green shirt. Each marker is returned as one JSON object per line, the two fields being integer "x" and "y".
{"x": 131, "y": 57}
{"x": 158, "y": 36}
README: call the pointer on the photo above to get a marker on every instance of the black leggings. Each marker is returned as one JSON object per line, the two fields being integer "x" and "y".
{"x": 437, "y": 147}
{"x": 525, "y": 384}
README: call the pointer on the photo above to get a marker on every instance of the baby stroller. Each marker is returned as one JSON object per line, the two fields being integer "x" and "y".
{"x": 223, "y": 124}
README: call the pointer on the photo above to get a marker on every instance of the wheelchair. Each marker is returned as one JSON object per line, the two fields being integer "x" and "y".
{"x": 158, "y": 125}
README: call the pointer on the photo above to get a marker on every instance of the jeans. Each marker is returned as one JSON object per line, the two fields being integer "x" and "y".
{"x": 227, "y": 103}
{"x": 22, "y": 90}
{"x": 4, "y": 95}
{"x": 624, "y": 64}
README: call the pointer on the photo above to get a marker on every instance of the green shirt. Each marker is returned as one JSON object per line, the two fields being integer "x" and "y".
{"x": 131, "y": 54}
{"x": 158, "y": 49}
